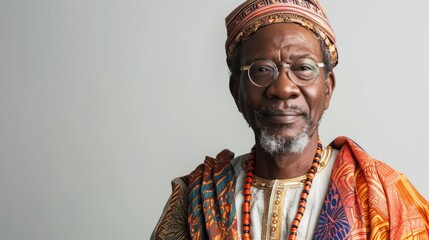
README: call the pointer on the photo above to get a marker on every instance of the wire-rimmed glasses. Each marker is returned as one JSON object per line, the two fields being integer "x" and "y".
{"x": 302, "y": 71}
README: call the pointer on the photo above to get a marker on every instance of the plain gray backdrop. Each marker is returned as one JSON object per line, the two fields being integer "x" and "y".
{"x": 103, "y": 103}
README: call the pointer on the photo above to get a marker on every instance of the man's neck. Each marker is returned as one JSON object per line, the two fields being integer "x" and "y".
{"x": 285, "y": 165}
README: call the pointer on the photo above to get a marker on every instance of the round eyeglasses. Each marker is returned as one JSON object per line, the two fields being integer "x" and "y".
{"x": 302, "y": 72}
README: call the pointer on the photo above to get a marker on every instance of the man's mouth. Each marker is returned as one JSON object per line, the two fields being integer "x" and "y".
{"x": 281, "y": 117}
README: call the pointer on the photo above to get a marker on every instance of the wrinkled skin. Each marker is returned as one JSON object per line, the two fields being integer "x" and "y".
{"x": 283, "y": 109}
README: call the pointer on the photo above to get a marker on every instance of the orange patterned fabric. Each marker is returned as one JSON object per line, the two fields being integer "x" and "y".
{"x": 378, "y": 201}
{"x": 366, "y": 199}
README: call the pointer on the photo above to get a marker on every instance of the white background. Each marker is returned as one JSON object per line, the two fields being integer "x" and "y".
{"x": 103, "y": 102}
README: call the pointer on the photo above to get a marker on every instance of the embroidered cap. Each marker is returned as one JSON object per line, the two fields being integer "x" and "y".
{"x": 247, "y": 18}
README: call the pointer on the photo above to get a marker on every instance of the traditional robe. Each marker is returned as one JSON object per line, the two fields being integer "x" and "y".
{"x": 366, "y": 199}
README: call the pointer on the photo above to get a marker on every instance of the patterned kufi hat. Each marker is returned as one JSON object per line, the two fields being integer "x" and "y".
{"x": 247, "y": 18}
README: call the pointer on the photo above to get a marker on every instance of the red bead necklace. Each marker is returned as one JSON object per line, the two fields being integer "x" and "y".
{"x": 302, "y": 203}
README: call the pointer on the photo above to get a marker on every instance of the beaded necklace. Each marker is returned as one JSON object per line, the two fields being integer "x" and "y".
{"x": 302, "y": 202}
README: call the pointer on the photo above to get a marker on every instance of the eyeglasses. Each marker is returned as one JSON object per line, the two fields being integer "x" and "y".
{"x": 302, "y": 72}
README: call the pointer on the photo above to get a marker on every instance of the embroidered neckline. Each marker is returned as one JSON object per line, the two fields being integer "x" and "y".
{"x": 259, "y": 182}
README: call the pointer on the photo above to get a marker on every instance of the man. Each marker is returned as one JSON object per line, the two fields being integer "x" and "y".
{"x": 281, "y": 55}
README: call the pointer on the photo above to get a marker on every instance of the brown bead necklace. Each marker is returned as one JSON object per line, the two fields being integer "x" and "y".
{"x": 302, "y": 202}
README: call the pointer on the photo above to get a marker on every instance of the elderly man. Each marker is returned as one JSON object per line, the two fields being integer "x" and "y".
{"x": 281, "y": 54}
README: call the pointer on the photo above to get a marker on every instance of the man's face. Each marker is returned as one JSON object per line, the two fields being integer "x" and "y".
{"x": 283, "y": 109}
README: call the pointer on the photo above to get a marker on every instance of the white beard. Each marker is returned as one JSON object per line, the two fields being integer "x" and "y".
{"x": 273, "y": 144}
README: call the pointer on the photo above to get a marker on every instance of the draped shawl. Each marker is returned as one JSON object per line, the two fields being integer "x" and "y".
{"x": 366, "y": 199}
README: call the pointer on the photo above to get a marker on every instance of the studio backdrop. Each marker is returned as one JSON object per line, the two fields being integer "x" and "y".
{"x": 104, "y": 102}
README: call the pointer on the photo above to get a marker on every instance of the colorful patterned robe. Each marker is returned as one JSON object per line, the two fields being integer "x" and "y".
{"x": 366, "y": 199}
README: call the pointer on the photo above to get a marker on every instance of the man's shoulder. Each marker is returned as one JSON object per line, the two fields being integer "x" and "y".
{"x": 352, "y": 153}
{"x": 222, "y": 159}
{"x": 225, "y": 162}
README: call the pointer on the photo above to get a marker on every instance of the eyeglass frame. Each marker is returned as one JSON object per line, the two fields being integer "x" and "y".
{"x": 282, "y": 65}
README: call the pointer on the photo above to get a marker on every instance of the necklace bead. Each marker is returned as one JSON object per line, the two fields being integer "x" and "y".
{"x": 302, "y": 203}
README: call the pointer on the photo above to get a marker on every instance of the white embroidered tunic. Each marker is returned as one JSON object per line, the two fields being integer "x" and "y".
{"x": 275, "y": 202}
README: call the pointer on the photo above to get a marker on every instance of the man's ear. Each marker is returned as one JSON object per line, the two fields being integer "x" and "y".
{"x": 329, "y": 88}
{"x": 233, "y": 88}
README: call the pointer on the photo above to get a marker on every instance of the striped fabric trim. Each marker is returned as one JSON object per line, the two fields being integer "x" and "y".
{"x": 212, "y": 199}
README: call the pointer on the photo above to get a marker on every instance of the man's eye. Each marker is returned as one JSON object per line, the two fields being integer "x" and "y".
{"x": 305, "y": 68}
{"x": 263, "y": 69}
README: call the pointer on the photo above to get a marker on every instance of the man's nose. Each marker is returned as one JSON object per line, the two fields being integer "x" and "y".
{"x": 283, "y": 87}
